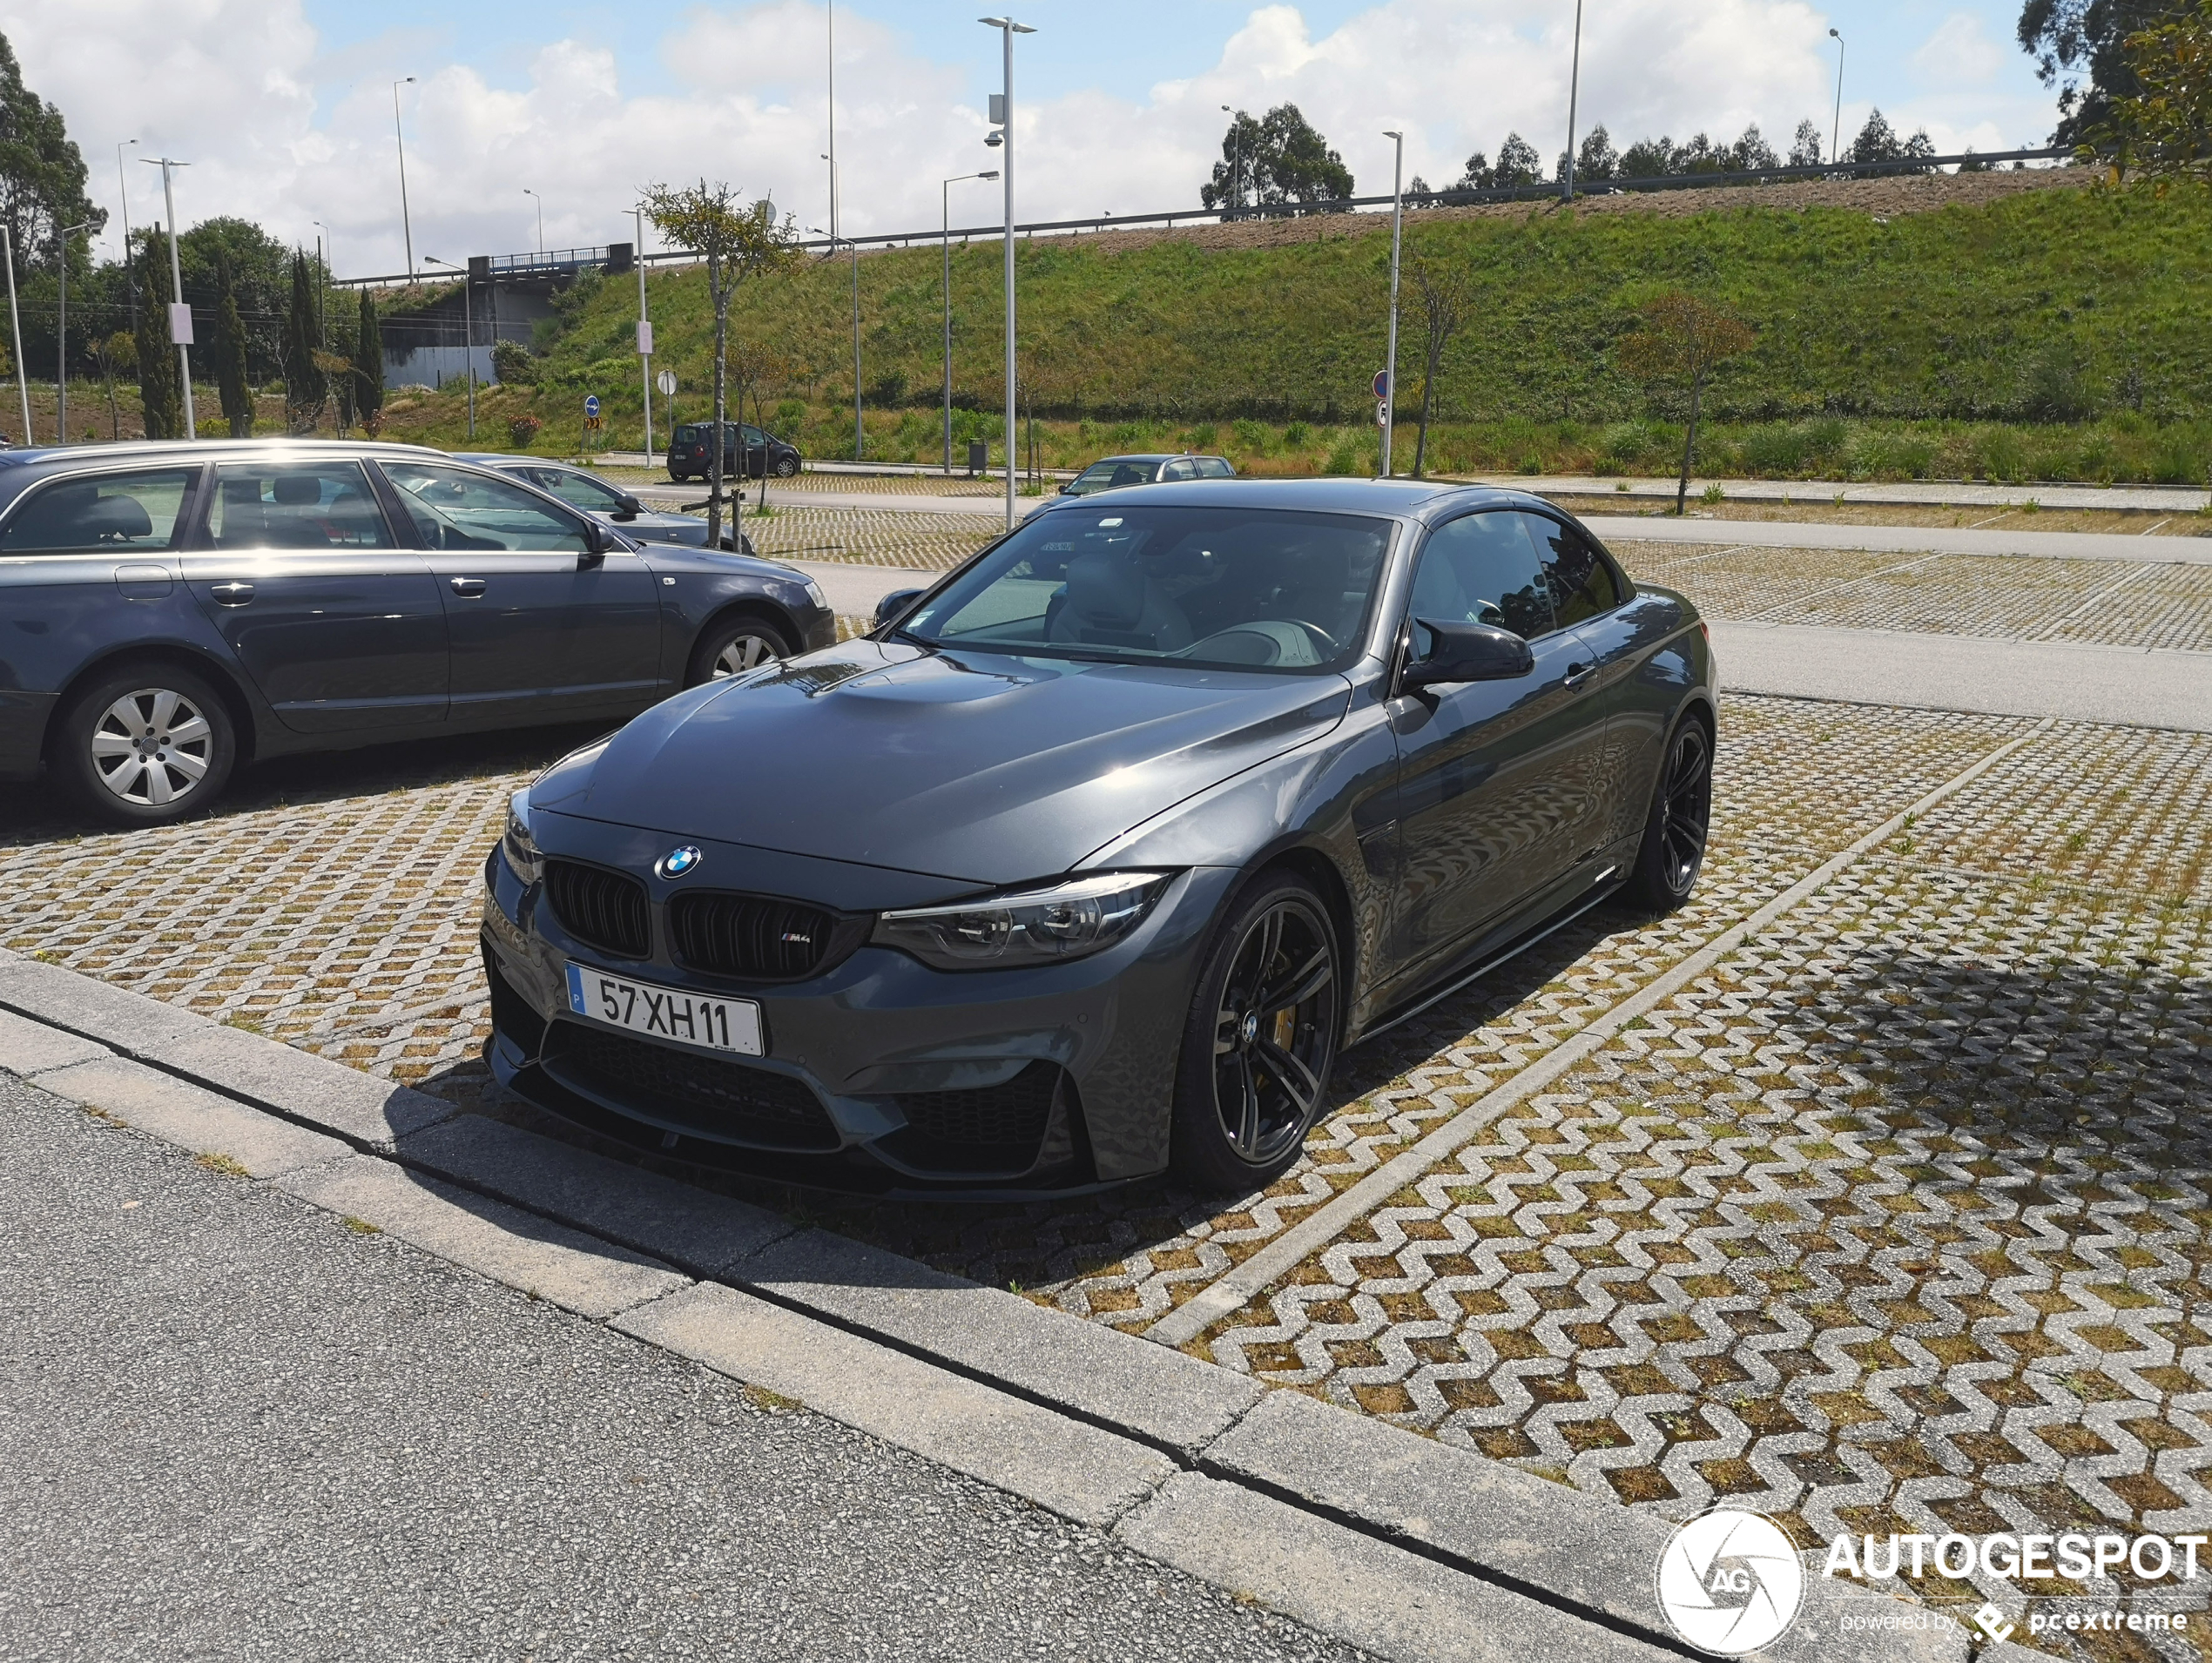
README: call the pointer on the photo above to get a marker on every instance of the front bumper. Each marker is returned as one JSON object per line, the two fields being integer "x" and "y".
{"x": 882, "y": 1074}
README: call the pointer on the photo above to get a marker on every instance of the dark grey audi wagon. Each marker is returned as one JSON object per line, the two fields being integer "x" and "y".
{"x": 168, "y": 611}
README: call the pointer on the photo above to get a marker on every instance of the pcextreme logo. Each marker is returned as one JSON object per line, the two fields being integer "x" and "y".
{"x": 1730, "y": 1582}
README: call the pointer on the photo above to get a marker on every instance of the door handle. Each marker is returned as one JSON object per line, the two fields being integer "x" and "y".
{"x": 230, "y": 594}
{"x": 469, "y": 588}
{"x": 1577, "y": 674}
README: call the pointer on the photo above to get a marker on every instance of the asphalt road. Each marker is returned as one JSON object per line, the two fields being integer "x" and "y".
{"x": 233, "y": 1427}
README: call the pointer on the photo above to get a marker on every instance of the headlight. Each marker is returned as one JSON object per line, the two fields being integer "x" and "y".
{"x": 518, "y": 845}
{"x": 815, "y": 593}
{"x": 1028, "y": 927}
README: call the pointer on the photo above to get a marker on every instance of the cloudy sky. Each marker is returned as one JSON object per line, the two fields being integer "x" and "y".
{"x": 285, "y": 106}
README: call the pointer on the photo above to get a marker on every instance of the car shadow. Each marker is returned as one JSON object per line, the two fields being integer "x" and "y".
{"x": 42, "y": 809}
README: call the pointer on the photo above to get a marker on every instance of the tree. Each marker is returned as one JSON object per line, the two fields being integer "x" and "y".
{"x": 2068, "y": 39}
{"x": 1806, "y": 149}
{"x": 737, "y": 243}
{"x": 232, "y": 380}
{"x": 1445, "y": 298}
{"x": 1282, "y": 160}
{"x": 2166, "y": 127}
{"x": 42, "y": 174}
{"x": 1518, "y": 163}
{"x": 1649, "y": 158}
{"x": 1595, "y": 158}
{"x": 1878, "y": 142}
{"x": 119, "y": 351}
{"x": 159, "y": 396}
{"x": 1751, "y": 153}
{"x": 1683, "y": 341}
{"x": 306, "y": 385}
{"x": 368, "y": 366}
{"x": 1476, "y": 175}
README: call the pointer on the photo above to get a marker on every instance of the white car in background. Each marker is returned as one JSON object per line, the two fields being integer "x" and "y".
{"x": 606, "y": 503}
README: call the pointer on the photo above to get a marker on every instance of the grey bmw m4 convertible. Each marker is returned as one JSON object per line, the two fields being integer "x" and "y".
{"x": 1087, "y": 862}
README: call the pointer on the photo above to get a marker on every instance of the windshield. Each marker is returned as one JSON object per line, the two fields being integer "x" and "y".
{"x": 1246, "y": 589}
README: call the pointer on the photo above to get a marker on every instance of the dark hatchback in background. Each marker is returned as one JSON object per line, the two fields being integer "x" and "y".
{"x": 168, "y": 611}
{"x": 1087, "y": 863}
{"x": 689, "y": 455}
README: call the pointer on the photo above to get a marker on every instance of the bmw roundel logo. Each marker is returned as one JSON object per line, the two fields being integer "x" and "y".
{"x": 678, "y": 861}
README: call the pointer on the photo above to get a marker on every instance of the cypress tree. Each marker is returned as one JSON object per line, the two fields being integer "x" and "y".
{"x": 231, "y": 377}
{"x": 305, "y": 385}
{"x": 158, "y": 392}
{"x": 368, "y": 365}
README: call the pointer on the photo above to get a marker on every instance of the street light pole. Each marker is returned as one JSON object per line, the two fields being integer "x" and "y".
{"x": 1008, "y": 29}
{"x": 644, "y": 336}
{"x": 1835, "y": 132}
{"x": 1236, "y": 162}
{"x": 14, "y": 324}
{"x": 123, "y": 195}
{"x": 406, "y": 225}
{"x": 1390, "y": 371}
{"x": 176, "y": 288}
{"x": 945, "y": 206}
{"x": 468, "y": 334}
{"x": 322, "y": 282}
{"x": 61, "y": 340}
{"x": 540, "y": 201}
{"x": 1573, "y": 87}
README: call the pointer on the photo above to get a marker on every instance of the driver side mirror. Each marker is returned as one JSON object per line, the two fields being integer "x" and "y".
{"x": 1067, "y": 487}
{"x": 597, "y": 540}
{"x": 1468, "y": 652}
{"x": 628, "y": 509}
{"x": 889, "y": 608}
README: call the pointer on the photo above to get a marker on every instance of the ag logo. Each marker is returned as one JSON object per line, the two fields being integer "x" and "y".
{"x": 1730, "y": 1582}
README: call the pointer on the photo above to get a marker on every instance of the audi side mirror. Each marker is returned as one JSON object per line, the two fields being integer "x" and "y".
{"x": 889, "y": 608}
{"x": 629, "y": 508}
{"x": 1468, "y": 652}
{"x": 1067, "y": 487}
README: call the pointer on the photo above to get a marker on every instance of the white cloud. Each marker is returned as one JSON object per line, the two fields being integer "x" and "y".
{"x": 741, "y": 100}
{"x": 1959, "y": 54}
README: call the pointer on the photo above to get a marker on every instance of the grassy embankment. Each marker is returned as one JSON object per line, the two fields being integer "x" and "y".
{"x": 2054, "y": 333}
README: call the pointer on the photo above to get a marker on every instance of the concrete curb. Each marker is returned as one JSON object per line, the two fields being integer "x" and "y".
{"x": 1384, "y": 1538}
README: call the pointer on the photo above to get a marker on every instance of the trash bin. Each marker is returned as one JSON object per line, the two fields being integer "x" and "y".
{"x": 978, "y": 457}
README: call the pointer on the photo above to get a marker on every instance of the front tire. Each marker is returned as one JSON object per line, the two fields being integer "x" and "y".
{"x": 1259, "y": 1041}
{"x": 787, "y": 466}
{"x": 735, "y": 646}
{"x": 145, "y": 745}
{"x": 1674, "y": 834}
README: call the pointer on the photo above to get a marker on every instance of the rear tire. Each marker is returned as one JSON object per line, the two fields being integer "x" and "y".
{"x": 145, "y": 744}
{"x": 1259, "y": 1041}
{"x": 736, "y": 645}
{"x": 1674, "y": 834}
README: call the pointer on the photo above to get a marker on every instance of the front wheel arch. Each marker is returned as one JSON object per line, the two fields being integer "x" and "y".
{"x": 777, "y": 621}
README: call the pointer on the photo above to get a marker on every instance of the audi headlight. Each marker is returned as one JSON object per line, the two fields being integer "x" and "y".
{"x": 519, "y": 848}
{"x": 1029, "y": 927}
{"x": 815, "y": 593}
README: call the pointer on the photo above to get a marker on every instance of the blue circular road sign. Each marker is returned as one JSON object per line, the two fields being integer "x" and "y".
{"x": 591, "y": 405}
{"x": 1382, "y": 383}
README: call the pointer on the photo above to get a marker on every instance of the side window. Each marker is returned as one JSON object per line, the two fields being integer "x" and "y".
{"x": 1483, "y": 569}
{"x": 754, "y": 436}
{"x": 1214, "y": 468}
{"x": 455, "y": 509}
{"x": 294, "y": 505}
{"x": 579, "y": 490}
{"x": 117, "y": 511}
{"x": 1179, "y": 470}
{"x": 1581, "y": 582}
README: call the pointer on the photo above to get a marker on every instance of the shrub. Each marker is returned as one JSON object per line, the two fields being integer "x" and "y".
{"x": 524, "y": 429}
{"x": 1341, "y": 459}
{"x": 1201, "y": 437}
{"x": 511, "y": 362}
{"x": 1776, "y": 448}
{"x": 1251, "y": 436}
{"x": 1296, "y": 434}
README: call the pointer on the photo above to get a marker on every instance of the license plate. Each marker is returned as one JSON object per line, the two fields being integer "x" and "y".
{"x": 666, "y": 1012}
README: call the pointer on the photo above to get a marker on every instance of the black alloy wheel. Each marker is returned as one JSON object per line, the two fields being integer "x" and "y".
{"x": 1682, "y": 817}
{"x": 1260, "y": 1040}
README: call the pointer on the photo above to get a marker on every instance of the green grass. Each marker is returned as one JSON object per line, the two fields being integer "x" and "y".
{"x": 2054, "y": 334}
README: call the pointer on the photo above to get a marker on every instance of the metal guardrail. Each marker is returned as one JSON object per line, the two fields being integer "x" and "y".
{"x": 1445, "y": 199}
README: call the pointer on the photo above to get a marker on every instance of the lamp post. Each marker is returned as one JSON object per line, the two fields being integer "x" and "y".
{"x": 1573, "y": 87}
{"x": 407, "y": 226}
{"x": 325, "y": 253}
{"x": 860, "y": 438}
{"x": 945, "y": 205}
{"x": 61, "y": 340}
{"x": 1235, "y": 164}
{"x": 1834, "y": 131}
{"x": 540, "y": 201}
{"x": 123, "y": 195}
{"x": 1007, "y": 29}
{"x": 14, "y": 324}
{"x": 644, "y": 335}
{"x": 468, "y": 334}
{"x": 178, "y": 313}
{"x": 1390, "y": 368}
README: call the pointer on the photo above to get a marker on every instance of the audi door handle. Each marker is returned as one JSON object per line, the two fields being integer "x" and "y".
{"x": 230, "y": 594}
{"x": 1577, "y": 674}
{"x": 469, "y": 588}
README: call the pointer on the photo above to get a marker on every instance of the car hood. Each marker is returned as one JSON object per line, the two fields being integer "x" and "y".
{"x": 989, "y": 768}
